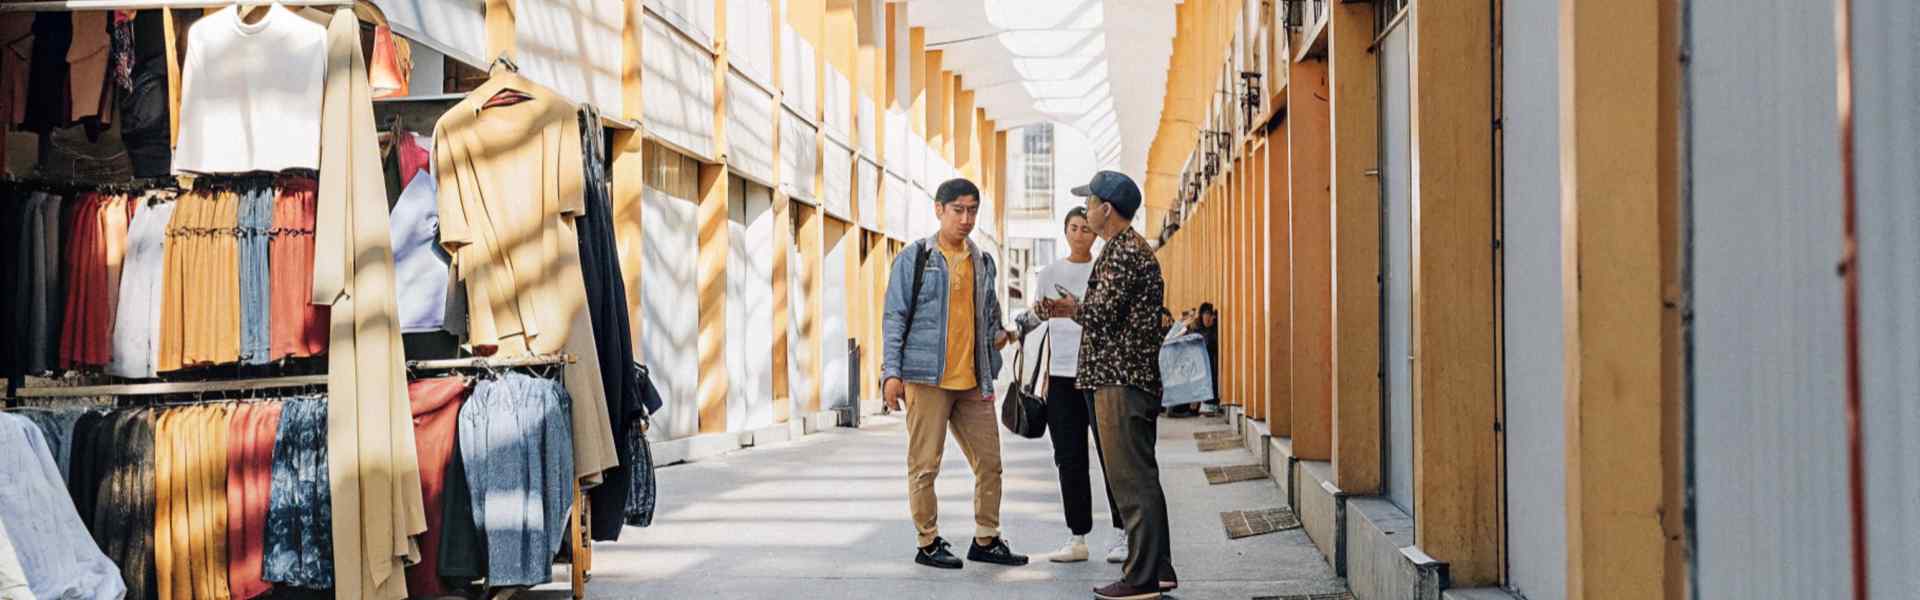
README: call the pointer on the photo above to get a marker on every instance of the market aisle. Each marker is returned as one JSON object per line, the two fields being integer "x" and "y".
{"x": 826, "y": 517}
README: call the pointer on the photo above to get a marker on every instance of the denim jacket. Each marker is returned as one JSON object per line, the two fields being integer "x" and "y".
{"x": 924, "y": 356}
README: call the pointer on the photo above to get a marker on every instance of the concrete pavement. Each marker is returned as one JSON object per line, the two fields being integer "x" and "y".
{"x": 826, "y": 517}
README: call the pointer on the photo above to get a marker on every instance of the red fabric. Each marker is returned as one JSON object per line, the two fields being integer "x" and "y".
{"x": 299, "y": 326}
{"x": 385, "y": 77}
{"x": 436, "y": 419}
{"x": 250, "y": 434}
{"x": 86, "y": 334}
{"x": 414, "y": 159}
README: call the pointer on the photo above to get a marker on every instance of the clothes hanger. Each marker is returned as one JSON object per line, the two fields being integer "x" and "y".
{"x": 506, "y": 95}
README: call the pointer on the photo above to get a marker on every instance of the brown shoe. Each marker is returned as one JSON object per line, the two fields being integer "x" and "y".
{"x": 1120, "y": 590}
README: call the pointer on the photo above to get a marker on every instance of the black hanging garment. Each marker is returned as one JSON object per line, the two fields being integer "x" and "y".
{"x": 612, "y": 333}
{"x": 645, "y": 493}
{"x": 143, "y": 109}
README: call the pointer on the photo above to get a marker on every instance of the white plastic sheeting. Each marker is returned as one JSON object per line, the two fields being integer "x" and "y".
{"x": 921, "y": 221}
{"x": 1769, "y": 350}
{"x": 833, "y": 314}
{"x": 869, "y": 129}
{"x": 1889, "y": 235}
{"x": 750, "y": 223}
{"x": 798, "y": 75}
{"x": 799, "y": 157}
{"x": 1536, "y": 429}
{"x": 750, "y": 118}
{"x": 839, "y": 107}
{"x": 559, "y": 43}
{"x": 866, "y": 186}
{"x": 670, "y": 318}
{"x": 917, "y": 154}
{"x": 898, "y": 150}
{"x": 895, "y": 194}
{"x": 695, "y": 17}
{"x": 677, "y": 80}
{"x": 750, "y": 39}
{"x": 456, "y": 28}
{"x": 836, "y": 165}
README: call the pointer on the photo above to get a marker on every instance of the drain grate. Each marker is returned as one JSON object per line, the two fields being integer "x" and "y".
{"x": 1246, "y": 523}
{"x": 1222, "y": 444}
{"x": 1338, "y": 596}
{"x": 1217, "y": 434}
{"x": 1233, "y": 473}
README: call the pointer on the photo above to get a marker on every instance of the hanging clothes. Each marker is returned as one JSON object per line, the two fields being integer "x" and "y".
{"x": 258, "y": 114}
{"x": 123, "y": 508}
{"x": 95, "y": 256}
{"x": 515, "y": 438}
{"x": 45, "y": 294}
{"x": 377, "y": 507}
{"x": 512, "y": 238}
{"x": 298, "y": 549}
{"x": 13, "y": 577}
{"x": 53, "y": 547}
{"x": 48, "y": 105}
{"x": 612, "y": 333}
{"x": 200, "y": 318}
{"x": 420, "y": 264}
{"x": 142, "y": 290}
{"x": 87, "y": 60}
{"x": 645, "y": 494}
{"x": 57, "y": 425}
{"x": 299, "y": 327}
{"x": 436, "y": 421}
{"x": 193, "y": 552}
{"x": 255, "y": 222}
{"x": 144, "y": 126}
{"x": 250, "y": 434}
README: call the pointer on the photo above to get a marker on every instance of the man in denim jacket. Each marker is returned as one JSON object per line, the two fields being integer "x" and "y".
{"x": 943, "y": 363}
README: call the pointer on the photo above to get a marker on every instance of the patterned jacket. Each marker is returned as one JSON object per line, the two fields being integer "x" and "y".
{"x": 1121, "y": 314}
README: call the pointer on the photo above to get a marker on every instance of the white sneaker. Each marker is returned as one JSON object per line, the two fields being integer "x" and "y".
{"x": 1117, "y": 553}
{"x": 1074, "y": 551}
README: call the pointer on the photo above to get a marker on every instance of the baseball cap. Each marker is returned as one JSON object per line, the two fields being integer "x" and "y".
{"x": 1115, "y": 188}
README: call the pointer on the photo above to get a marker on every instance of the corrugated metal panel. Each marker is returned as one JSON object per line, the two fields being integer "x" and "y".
{"x": 559, "y": 44}
{"x": 836, "y": 165}
{"x": 750, "y": 112}
{"x": 457, "y": 28}
{"x": 1769, "y": 430}
{"x": 668, "y": 300}
{"x": 1397, "y": 189}
{"x": 750, "y": 39}
{"x": 799, "y": 157}
{"x": 839, "y": 107}
{"x": 678, "y": 84}
{"x": 798, "y": 75}
{"x": 1888, "y": 129}
{"x": 833, "y": 315}
{"x": 896, "y": 197}
{"x": 695, "y": 17}
{"x": 898, "y": 149}
{"x": 749, "y": 306}
{"x": 866, "y": 184}
{"x": 1536, "y": 432}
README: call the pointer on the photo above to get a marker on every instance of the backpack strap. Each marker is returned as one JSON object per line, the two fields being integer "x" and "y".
{"x": 913, "y": 299}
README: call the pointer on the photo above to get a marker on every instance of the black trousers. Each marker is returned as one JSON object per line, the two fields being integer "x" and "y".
{"x": 1069, "y": 418}
{"x": 1128, "y": 421}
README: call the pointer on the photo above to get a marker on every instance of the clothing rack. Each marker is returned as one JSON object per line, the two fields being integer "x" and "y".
{"x": 264, "y": 383}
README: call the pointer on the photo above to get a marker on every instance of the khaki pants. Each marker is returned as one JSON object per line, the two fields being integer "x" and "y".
{"x": 931, "y": 411}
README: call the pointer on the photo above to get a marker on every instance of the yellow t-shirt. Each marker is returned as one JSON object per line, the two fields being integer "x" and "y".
{"x": 959, "y": 372}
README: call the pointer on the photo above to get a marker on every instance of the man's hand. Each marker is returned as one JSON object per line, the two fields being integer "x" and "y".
{"x": 1064, "y": 308}
{"x": 895, "y": 394}
{"x": 1001, "y": 340}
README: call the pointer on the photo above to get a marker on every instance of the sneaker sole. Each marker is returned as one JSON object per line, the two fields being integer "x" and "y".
{"x": 1009, "y": 563}
{"x": 1067, "y": 559}
{"x": 1140, "y": 596}
{"x": 1117, "y": 561}
{"x": 929, "y": 563}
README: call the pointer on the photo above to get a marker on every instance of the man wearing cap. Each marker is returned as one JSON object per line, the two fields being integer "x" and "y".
{"x": 942, "y": 332}
{"x": 1119, "y": 364}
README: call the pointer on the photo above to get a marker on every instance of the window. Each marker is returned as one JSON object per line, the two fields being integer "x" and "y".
{"x": 1386, "y": 13}
{"x": 1036, "y": 141}
{"x": 1043, "y": 253}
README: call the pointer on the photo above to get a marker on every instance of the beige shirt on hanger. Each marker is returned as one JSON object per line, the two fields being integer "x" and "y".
{"x": 371, "y": 459}
{"x": 511, "y": 184}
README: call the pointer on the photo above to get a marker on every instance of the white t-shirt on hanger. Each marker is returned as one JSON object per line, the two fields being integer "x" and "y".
{"x": 1065, "y": 343}
{"x": 250, "y": 93}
